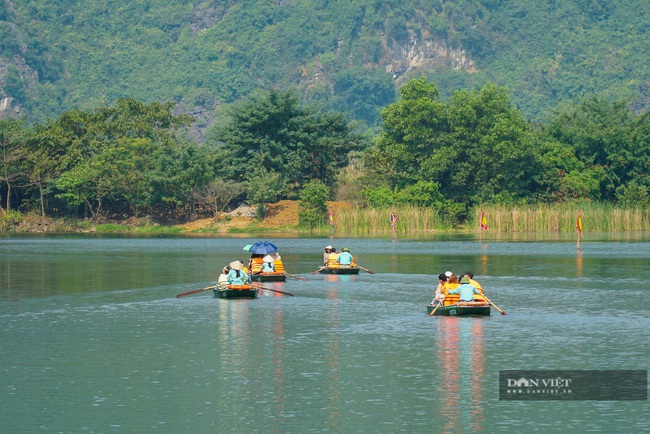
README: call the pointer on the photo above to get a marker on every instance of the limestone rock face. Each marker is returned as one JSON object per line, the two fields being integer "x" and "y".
{"x": 423, "y": 55}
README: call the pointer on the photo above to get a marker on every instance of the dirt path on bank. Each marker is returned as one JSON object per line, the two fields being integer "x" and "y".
{"x": 279, "y": 215}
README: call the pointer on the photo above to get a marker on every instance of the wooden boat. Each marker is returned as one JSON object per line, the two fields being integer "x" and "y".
{"x": 269, "y": 277}
{"x": 340, "y": 269}
{"x": 236, "y": 291}
{"x": 333, "y": 266}
{"x": 454, "y": 307}
{"x": 255, "y": 266}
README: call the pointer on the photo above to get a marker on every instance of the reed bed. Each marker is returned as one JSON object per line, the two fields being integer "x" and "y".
{"x": 563, "y": 218}
{"x": 500, "y": 218}
{"x": 372, "y": 222}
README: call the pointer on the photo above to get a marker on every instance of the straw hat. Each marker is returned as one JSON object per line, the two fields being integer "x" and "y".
{"x": 236, "y": 265}
{"x": 267, "y": 258}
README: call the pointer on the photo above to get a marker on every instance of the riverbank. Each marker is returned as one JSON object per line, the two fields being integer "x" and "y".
{"x": 282, "y": 217}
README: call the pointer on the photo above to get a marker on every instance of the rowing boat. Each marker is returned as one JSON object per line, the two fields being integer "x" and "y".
{"x": 340, "y": 269}
{"x": 452, "y": 306}
{"x": 236, "y": 291}
{"x": 269, "y": 277}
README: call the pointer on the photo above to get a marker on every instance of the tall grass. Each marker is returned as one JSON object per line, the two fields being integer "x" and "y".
{"x": 599, "y": 217}
{"x": 500, "y": 218}
{"x": 367, "y": 221}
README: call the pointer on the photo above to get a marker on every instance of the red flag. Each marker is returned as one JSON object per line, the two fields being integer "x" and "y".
{"x": 579, "y": 225}
{"x": 393, "y": 218}
{"x": 331, "y": 218}
{"x": 484, "y": 225}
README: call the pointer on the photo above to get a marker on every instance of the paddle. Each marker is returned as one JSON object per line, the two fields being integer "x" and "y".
{"x": 365, "y": 269}
{"x": 321, "y": 268}
{"x": 495, "y": 306}
{"x": 439, "y": 304}
{"x": 196, "y": 291}
{"x": 295, "y": 277}
{"x": 274, "y": 290}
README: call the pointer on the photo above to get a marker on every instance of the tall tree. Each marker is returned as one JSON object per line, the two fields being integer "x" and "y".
{"x": 275, "y": 131}
{"x": 476, "y": 147}
{"x": 13, "y": 152}
{"x": 607, "y": 137}
{"x": 487, "y": 153}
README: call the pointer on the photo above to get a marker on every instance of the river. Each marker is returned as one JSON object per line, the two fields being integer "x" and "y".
{"x": 94, "y": 339}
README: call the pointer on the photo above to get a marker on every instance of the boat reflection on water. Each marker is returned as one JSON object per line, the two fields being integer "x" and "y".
{"x": 579, "y": 268}
{"x": 462, "y": 373}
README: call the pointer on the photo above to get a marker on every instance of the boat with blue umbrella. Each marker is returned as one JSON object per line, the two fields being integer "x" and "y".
{"x": 265, "y": 264}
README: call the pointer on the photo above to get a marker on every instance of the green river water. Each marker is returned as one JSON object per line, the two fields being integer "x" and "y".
{"x": 94, "y": 340}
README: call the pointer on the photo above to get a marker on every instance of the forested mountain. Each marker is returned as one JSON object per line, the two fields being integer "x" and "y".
{"x": 59, "y": 55}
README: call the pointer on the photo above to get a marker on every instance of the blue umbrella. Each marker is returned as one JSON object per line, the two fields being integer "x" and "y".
{"x": 263, "y": 248}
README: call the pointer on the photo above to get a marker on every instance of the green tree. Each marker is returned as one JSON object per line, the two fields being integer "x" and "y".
{"x": 608, "y": 139}
{"x": 13, "y": 153}
{"x": 409, "y": 134}
{"x": 313, "y": 204}
{"x": 182, "y": 167}
{"x": 128, "y": 156}
{"x": 264, "y": 186}
{"x": 275, "y": 131}
{"x": 83, "y": 185}
{"x": 128, "y": 167}
{"x": 486, "y": 154}
{"x": 476, "y": 148}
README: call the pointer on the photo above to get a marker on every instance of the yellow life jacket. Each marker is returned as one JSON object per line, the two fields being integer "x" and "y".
{"x": 331, "y": 260}
{"x": 256, "y": 265}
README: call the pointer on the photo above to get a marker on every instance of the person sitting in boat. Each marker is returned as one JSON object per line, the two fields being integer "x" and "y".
{"x": 473, "y": 282}
{"x": 345, "y": 258}
{"x": 451, "y": 283}
{"x": 465, "y": 290}
{"x": 437, "y": 295}
{"x": 222, "y": 281}
{"x": 237, "y": 275}
{"x": 326, "y": 255}
{"x": 269, "y": 264}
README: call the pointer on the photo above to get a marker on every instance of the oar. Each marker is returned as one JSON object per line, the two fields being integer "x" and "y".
{"x": 196, "y": 291}
{"x": 321, "y": 268}
{"x": 274, "y": 290}
{"x": 439, "y": 304}
{"x": 495, "y": 306}
{"x": 295, "y": 277}
{"x": 365, "y": 269}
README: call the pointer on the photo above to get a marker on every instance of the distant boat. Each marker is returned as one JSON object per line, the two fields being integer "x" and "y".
{"x": 269, "y": 277}
{"x": 340, "y": 269}
{"x": 333, "y": 266}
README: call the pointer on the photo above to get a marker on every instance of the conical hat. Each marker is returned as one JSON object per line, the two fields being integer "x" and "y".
{"x": 267, "y": 258}
{"x": 236, "y": 265}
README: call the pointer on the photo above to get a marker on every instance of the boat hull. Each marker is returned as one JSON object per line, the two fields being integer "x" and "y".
{"x": 269, "y": 277}
{"x": 340, "y": 270}
{"x": 240, "y": 291}
{"x": 459, "y": 310}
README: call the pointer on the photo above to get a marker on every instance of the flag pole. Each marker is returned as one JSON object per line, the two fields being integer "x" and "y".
{"x": 331, "y": 225}
{"x": 484, "y": 226}
{"x": 579, "y": 229}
